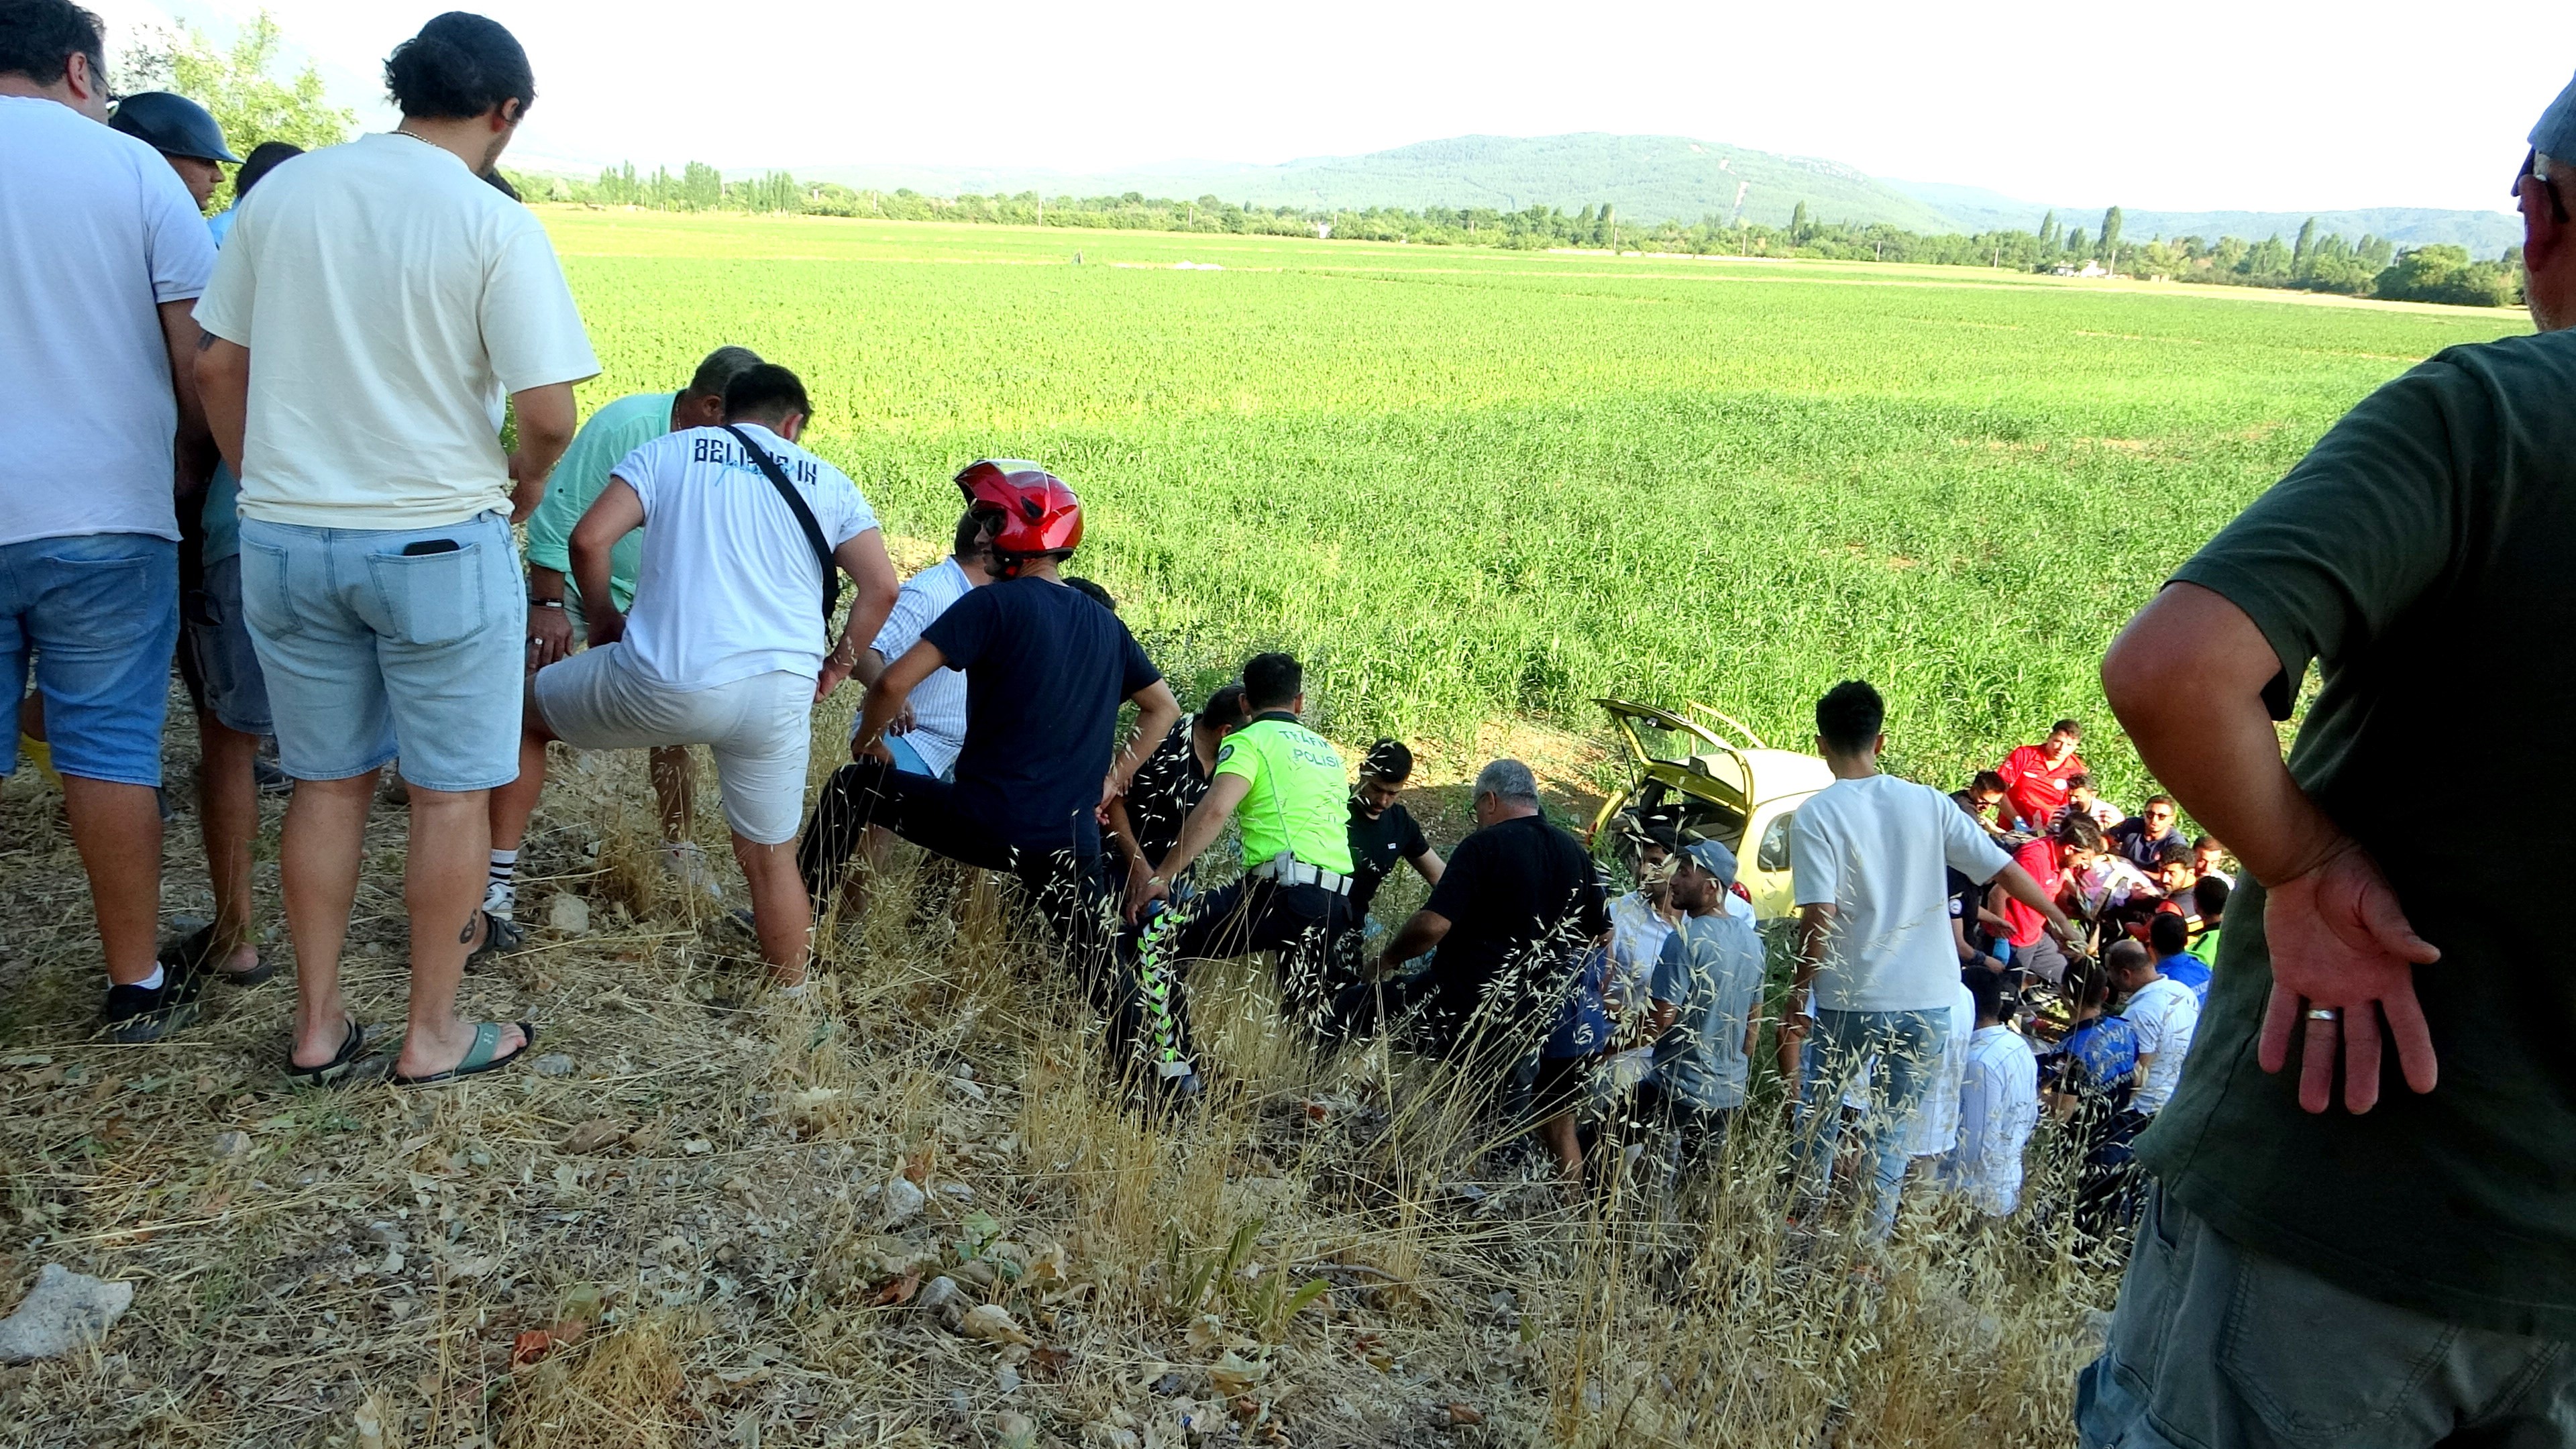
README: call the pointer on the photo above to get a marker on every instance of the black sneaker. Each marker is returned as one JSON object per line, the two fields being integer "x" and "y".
{"x": 269, "y": 778}
{"x": 501, "y": 937}
{"x": 138, "y": 1014}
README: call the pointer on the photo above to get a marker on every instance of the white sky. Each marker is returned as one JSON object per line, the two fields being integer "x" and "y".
{"x": 2258, "y": 105}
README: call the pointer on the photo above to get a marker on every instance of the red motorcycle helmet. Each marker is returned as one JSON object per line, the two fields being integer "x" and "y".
{"x": 1037, "y": 513}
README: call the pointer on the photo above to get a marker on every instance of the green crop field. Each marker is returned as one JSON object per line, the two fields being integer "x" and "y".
{"x": 1467, "y": 483}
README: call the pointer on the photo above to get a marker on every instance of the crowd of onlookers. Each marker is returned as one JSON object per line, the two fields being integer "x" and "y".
{"x": 337, "y": 569}
{"x": 2025, "y": 949}
{"x": 284, "y": 461}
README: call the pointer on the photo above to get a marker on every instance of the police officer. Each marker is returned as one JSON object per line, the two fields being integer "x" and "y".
{"x": 1285, "y": 783}
{"x": 184, "y": 133}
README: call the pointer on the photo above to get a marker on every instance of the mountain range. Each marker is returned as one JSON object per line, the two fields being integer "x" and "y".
{"x": 1650, "y": 179}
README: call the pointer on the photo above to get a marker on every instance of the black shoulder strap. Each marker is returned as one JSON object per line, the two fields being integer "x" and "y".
{"x": 804, "y": 520}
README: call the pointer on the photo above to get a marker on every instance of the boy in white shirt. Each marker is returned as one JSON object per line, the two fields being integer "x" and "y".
{"x": 1934, "y": 1132}
{"x": 1998, "y": 1105}
{"x": 725, "y": 643}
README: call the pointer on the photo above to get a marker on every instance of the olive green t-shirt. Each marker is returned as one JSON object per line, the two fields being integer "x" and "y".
{"x": 1296, "y": 802}
{"x": 2423, "y": 556}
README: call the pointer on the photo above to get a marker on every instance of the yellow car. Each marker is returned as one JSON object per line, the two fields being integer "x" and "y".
{"x": 1711, "y": 778}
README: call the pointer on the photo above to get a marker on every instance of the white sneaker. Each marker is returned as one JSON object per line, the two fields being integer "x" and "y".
{"x": 501, "y": 898}
{"x": 687, "y": 866}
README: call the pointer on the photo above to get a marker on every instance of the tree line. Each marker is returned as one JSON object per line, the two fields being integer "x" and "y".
{"x": 253, "y": 104}
{"x": 2370, "y": 267}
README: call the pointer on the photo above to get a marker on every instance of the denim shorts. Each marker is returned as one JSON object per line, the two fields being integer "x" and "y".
{"x": 216, "y": 657}
{"x": 370, "y": 651}
{"x": 100, "y": 612}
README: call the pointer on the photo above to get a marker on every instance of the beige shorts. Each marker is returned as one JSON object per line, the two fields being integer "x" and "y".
{"x": 760, "y": 730}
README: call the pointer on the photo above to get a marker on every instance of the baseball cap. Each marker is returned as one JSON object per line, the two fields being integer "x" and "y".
{"x": 1714, "y": 858}
{"x": 2555, "y": 135}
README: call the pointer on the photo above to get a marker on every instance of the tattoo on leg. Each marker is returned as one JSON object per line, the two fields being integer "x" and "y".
{"x": 466, "y": 936}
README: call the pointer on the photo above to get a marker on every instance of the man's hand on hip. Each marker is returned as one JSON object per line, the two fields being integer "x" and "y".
{"x": 2343, "y": 957}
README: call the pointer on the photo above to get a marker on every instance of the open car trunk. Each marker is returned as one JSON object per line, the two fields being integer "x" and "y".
{"x": 1708, "y": 777}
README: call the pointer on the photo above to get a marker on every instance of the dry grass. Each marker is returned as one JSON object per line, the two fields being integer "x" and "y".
{"x": 684, "y": 1238}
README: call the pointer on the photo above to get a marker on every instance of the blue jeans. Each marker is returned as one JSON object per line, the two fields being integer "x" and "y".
{"x": 1899, "y": 1050}
{"x": 100, "y": 612}
{"x": 365, "y": 645}
{"x": 909, "y": 760}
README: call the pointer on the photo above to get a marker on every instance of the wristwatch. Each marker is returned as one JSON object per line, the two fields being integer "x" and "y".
{"x": 545, "y": 603}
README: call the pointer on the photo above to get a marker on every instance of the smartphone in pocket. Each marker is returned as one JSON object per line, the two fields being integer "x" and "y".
{"x": 419, "y": 547}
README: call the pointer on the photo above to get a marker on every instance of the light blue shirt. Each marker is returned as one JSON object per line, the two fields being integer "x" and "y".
{"x": 1711, "y": 968}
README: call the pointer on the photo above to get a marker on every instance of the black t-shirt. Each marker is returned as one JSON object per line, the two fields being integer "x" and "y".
{"x": 1167, "y": 787}
{"x": 1967, "y": 897}
{"x": 1377, "y": 847}
{"x": 1523, "y": 901}
{"x": 1046, "y": 669}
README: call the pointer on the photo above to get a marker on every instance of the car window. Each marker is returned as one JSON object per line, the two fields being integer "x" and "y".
{"x": 1672, "y": 747}
{"x": 1774, "y": 854}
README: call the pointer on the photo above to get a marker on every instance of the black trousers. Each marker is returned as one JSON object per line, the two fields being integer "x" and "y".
{"x": 1060, "y": 886}
{"x": 1146, "y": 1021}
{"x": 1301, "y": 923}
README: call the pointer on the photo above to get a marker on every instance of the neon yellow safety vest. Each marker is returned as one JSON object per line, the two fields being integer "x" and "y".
{"x": 1299, "y": 794}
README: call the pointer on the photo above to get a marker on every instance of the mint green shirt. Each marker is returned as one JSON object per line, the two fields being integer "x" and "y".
{"x": 614, "y": 431}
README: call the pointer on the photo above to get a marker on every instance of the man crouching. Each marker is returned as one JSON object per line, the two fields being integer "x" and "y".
{"x": 725, "y": 644}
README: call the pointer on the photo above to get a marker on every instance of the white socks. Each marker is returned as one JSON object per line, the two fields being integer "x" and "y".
{"x": 501, "y": 891}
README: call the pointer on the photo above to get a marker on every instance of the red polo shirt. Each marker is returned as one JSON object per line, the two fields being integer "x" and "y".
{"x": 2034, "y": 789}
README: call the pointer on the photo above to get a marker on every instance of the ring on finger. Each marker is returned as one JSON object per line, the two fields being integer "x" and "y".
{"x": 2324, "y": 1013}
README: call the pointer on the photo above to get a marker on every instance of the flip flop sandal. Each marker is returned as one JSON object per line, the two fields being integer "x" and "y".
{"x": 191, "y": 954}
{"x": 478, "y": 1057}
{"x": 331, "y": 1073}
{"x": 501, "y": 936}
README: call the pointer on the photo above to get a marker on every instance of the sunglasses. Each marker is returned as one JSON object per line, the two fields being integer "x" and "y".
{"x": 2531, "y": 168}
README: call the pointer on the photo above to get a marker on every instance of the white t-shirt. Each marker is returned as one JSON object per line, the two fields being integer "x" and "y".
{"x": 1935, "y": 1129}
{"x": 96, "y": 231}
{"x": 726, "y": 585}
{"x": 1878, "y": 849}
{"x": 2164, "y": 1014}
{"x": 391, "y": 301}
{"x": 1637, "y": 934}
{"x": 939, "y": 702}
{"x": 1998, "y": 1107}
